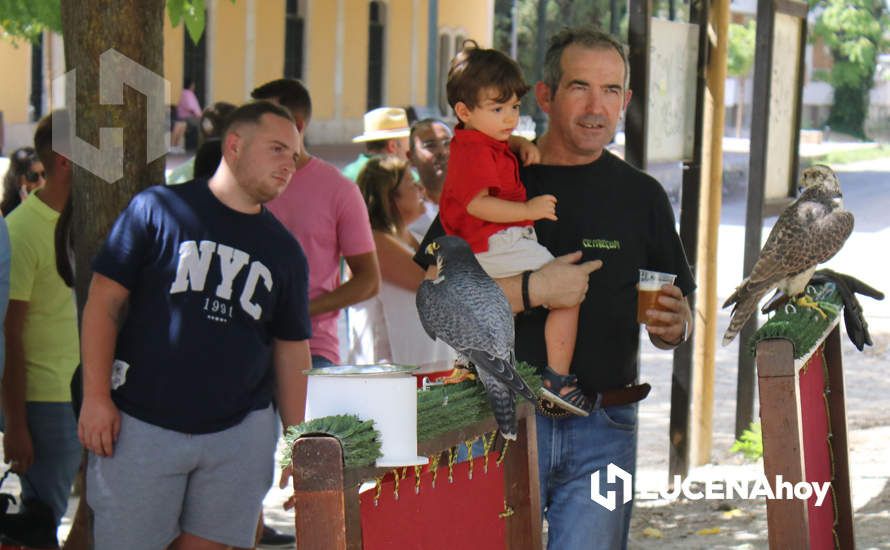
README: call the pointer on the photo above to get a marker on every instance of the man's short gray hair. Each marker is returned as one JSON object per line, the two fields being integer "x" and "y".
{"x": 586, "y": 36}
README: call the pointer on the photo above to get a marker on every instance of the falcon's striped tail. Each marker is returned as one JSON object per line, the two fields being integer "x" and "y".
{"x": 503, "y": 405}
{"x": 745, "y": 306}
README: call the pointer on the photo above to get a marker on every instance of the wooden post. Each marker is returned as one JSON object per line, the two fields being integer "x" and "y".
{"x": 744, "y": 405}
{"x": 765, "y": 145}
{"x": 327, "y": 508}
{"x": 319, "y": 492}
{"x": 682, "y": 375}
{"x": 522, "y": 490}
{"x": 780, "y": 419}
{"x": 708, "y": 229}
{"x": 838, "y": 427}
{"x": 635, "y": 125}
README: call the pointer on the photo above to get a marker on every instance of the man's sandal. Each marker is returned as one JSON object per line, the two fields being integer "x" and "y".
{"x": 574, "y": 401}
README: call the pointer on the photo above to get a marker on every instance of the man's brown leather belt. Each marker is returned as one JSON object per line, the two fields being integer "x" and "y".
{"x": 622, "y": 396}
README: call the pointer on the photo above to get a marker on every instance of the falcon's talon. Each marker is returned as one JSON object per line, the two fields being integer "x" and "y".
{"x": 458, "y": 375}
{"x": 807, "y": 302}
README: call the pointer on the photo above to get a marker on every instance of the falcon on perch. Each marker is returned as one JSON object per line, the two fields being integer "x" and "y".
{"x": 467, "y": 310}
{"x": 810, "y": 231}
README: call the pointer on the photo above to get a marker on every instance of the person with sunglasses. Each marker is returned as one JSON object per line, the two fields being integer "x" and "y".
{"x": 25, "y": 174}
{"x": 42, "y": 351}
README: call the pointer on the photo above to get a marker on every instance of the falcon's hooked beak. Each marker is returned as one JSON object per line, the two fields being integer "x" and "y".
{"x": 431, "y": 250}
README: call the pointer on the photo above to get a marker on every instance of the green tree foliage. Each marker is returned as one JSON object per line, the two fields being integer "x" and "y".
{"x": 557, "y": 14}
{"x": 750, "y": 444}
{"x": 537, "y": 20}
{"x": 740, "y": 56}
{"x": 191, "y": 12}
{"x": 740, "y": 59}
{"x": 27, "y": 19}
{"x": 852, "y": 31}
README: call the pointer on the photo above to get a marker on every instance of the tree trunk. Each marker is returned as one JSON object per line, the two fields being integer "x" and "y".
{"x": 90, "y": 27}
{"x": 135, "y": 29}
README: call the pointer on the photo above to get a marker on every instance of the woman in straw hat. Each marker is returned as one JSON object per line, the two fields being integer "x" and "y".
{"x": 386, "y": 133}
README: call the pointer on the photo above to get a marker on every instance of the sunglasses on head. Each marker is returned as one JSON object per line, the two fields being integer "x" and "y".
{"x": 23, "y": 154}
{"x": 33, "y": 177}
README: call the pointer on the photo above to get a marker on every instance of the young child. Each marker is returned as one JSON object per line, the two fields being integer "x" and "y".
{"x": 484, "y": 202}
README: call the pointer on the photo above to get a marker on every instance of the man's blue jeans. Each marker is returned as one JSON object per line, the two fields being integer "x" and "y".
{"x": 569, "y": 451}
{"x": 57, "y": 455}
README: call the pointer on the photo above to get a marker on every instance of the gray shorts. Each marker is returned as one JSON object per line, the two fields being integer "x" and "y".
{"x": 160, "y": 483}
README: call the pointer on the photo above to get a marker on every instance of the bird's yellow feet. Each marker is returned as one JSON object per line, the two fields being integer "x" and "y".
{"x": 808, "y": 302}
{"x": 459, "y": 374}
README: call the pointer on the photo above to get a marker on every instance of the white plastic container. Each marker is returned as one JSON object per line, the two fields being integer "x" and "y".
{"x": 386, "y": 394}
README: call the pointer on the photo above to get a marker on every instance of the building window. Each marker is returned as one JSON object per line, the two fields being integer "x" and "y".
{"x": 445, "y": 55}
{"x": 459, "y": 42}
{"x": 450, "y": 43}
{"x": 294, "y": 22}
{"x": 376, "y": 37}
{"x": 36, "y": 99}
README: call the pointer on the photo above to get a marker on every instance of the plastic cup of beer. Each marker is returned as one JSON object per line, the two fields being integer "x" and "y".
{"x": 648, "y": 293}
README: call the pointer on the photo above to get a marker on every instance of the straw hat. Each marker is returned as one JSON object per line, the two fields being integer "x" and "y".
{"x": 384, "y": 123}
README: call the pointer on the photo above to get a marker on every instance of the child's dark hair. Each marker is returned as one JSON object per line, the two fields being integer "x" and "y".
{"x": 475, "y": 69}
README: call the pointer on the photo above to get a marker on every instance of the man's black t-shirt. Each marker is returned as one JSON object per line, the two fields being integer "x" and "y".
{"x": 622, "y": 216}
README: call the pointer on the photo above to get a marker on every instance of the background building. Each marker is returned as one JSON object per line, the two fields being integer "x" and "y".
{"x": 353, "y": 55}
{"x": 818, "y": 93}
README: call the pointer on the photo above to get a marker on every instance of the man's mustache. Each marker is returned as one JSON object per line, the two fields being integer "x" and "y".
{"x": 594, "y": 120}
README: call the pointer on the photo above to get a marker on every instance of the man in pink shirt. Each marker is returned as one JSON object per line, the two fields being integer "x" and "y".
{"x": 326, "y": 213}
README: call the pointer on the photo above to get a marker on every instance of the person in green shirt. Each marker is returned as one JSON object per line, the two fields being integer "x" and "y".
{"x": 42, "y": 351}
{"x": 5, "y": 260}
{"x": 386, "y": 133}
